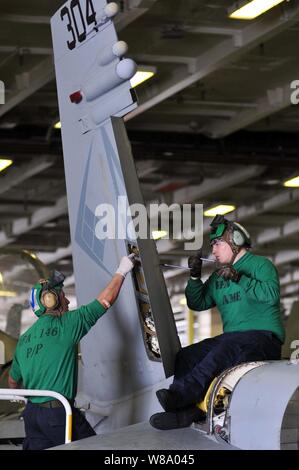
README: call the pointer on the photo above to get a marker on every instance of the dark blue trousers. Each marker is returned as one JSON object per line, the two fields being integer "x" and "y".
{"x": 198, "y": 364}
{"x": 45, "y": 427}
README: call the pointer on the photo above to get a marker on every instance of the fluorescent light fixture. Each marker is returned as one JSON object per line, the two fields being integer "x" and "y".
{"x": 57, "y": 125}
{"x": 183, "y": 301}
{"x": 252, "y": 9}
{"x": 144, "y": 73}
{"x": 7, "y": 293}
{"x": 220, "y": 209}
{"x": 157, "y": 234}
{"x": 4, "y": 163}
{"x": 292, "y": 183}
{"x": 1, "y": 278}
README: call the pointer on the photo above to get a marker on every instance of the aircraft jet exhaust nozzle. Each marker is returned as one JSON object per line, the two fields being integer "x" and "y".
{"x": 256, "y": 406}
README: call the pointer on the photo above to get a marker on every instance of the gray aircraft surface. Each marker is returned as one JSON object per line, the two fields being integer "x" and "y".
{"x": 130, "y": 352}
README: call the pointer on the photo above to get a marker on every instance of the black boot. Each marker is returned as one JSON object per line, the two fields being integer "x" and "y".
{"x": 180, "y": 419}
{"x": 169, "y": 400}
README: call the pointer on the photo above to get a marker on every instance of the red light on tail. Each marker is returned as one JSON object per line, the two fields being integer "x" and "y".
{"x": 76, "y": 97}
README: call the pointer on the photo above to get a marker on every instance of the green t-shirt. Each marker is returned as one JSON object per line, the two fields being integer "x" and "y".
{"x": 46, "y": 354}
{"x": 251, "y": 304}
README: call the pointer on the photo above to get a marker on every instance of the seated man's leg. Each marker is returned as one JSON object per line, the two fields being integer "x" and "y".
{"x": 185, "y": 361}
{"x": 259, "y": 345}
{"x": 230, "y": 350}
{"x": 225, "y": 354}
{"x": 179, "y": 419}
{"x": 189, "y": 356}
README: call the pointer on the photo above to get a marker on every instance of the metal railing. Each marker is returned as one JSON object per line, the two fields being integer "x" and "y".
{"x": 20, "y": 394}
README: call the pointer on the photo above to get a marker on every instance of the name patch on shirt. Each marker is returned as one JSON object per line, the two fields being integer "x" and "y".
{"x": 230, "y": 298}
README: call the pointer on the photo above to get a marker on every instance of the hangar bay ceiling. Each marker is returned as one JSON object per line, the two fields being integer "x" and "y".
{"x": 216, "y": 124}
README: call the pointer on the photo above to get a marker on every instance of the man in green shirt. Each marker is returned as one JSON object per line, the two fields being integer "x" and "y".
{"x": 246, "y": 291}
{"x": 46, "y": 357}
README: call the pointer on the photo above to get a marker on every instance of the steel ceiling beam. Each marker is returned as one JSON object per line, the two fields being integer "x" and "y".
{"x": 291, "y": 289}
{"x": 131, "y": 11}
{"x": 284, "y": 257}
{"x": 192, "y": 110}
{"x": 37, "y": 218}
{"x": 25, "y": 19}
{"x": 19, "y": 174}
{"x": 214, "y": 185}
{"x": 219, "y": 56}
{"x": 34, "y": 79}
{"x": 289, "y": 278}
{"x": 190, "y": 62}
{"x": 26, "y": 50}
{"x": 278, "y": 232}
{"x": 246, "y": 212}
{"x": 213, "y": 30}
{"x": 196, "y": 192}
{"x": 275, "y": 100}
{"x": 46, "y": 258}
{"x": 50, "y": 258}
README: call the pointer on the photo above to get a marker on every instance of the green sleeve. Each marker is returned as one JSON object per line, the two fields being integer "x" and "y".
{"x": 15, "y": 371}
{"x": 80, "y": 321}
{"x": 198, "y": 295}
{"x": 265, "y": 288}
